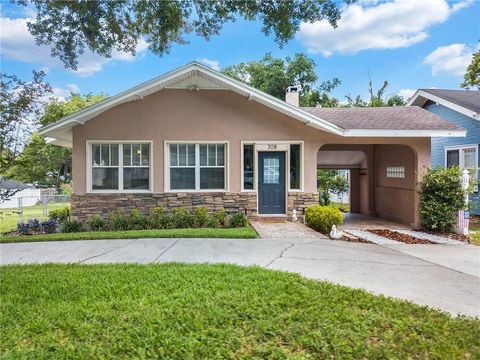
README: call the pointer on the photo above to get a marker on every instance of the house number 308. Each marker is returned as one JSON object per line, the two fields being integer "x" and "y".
{"x": 272, "y": 146}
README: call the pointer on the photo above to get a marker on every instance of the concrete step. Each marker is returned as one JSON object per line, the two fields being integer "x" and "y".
{"x": 272, "y": 218}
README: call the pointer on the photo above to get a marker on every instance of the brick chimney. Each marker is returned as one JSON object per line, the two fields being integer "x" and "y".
{"x": 292, "y": 95}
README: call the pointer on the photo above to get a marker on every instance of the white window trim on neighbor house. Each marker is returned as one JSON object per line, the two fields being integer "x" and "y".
{"x": 259, "y": 146}
{"x": 461, "y": 149}
{"x": 120, "y": 166}
{"x": 166, "y": 166}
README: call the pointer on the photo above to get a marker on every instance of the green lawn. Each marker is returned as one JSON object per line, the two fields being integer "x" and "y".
{"x": 234, "y": 233}
{"x": 180, "y": 311}
{"x": 343, "y": 207}
{"x": 9, "y": 217}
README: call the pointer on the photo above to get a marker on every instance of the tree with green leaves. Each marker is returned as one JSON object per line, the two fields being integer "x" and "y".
{"x": 104, "y": 26}
{"x": 44, "y": 164}
{"x": 20, "y": 103}
{"x": 377, "y": 98}
{"x": 472, "y": 76}
{"x": 273, "y": 76}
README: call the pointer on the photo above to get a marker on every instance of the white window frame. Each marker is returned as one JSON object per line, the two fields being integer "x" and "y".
{"x": 461, "y": 149}
{"x": 120, "y": 166}
{"x": 282, "y": 146}
{"x": 166, "y": 166}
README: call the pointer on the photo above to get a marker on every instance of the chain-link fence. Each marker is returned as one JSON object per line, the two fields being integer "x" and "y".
{"x": 29, "y": 207}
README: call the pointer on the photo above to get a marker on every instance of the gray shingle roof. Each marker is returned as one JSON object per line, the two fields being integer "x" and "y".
{"x": 384, "y": 118}
{"x": 9, "y": 184}
{"x": 469, "y": 99}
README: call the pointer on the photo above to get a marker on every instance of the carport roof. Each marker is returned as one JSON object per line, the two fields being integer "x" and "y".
{"x": 386, "y": 120}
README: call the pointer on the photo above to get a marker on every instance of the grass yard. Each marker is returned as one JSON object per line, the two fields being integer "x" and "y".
{"x": 180, "y": 311}
{"x": 10, "y": 217}
{"x": 342, "y": 207}
{"x": 230, "y": 233}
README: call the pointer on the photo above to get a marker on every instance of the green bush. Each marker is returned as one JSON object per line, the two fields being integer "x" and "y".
{"x": 117, "y": 221}
{"x": 157, "y": 218}
{"x": 60, "y": 214}
{"x": 220, "y": 217}
{"x": 441, "y": 195}
{"x": 181, "y": 218}
{"x": 137, "y": 221}
{"x": 96, "y": 223}
{"x": 70, "y": 226}
{"x": 237, "y": 220}
{"x": 322, "y": 218}
{"x": 201, "y": 217}
{"x": 213, "y": 223}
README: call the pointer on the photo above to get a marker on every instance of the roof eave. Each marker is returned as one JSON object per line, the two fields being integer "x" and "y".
{"x": 403, "y": 133}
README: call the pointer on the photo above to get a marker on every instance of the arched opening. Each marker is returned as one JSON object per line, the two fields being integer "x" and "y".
{"x": 381, "y": 178}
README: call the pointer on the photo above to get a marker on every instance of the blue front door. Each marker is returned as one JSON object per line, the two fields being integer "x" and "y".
{"x": 271, "y": 182}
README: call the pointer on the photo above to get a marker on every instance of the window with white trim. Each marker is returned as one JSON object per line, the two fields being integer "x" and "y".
{"x": 122, "y": 167}
{"x": 197, "y": 166}
{"x": 465, "y": 157}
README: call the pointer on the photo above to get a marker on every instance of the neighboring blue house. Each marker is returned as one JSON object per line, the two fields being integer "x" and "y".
{"x": 461, "y": 107}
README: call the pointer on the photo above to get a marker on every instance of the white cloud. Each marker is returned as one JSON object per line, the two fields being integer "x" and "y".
{"x": 62, "y": 93}
{"x": 406, "y": 93}
{"x": 451, "y": 59}
{"x": 377, "y": 25}
{"x": 214, "y": 64}
{"x": 18, "y": 44}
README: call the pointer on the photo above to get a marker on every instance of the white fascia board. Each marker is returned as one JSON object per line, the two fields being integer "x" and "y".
{"x": 403, "y": 133}
{"x": 426, "y": 95}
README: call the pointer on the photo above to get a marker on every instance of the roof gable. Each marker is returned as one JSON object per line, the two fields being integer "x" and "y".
{"x": 466, "y": 102}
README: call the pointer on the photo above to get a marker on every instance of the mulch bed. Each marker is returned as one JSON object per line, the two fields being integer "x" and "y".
{"x": 452, "y": 236}
{"x": 393, "y": 235}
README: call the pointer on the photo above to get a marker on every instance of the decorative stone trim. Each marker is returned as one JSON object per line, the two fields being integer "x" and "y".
{"x": 84, "y": 206}
{"x": 299, "y": 201}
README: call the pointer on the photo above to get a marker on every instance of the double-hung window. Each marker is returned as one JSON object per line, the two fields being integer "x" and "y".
{"x": 197, "y": 166}
{"x": 465, "y": 157}
{"x": 120, "y": 167}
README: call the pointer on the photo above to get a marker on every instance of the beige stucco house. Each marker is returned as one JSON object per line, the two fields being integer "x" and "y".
{"x": 196, "y": 137}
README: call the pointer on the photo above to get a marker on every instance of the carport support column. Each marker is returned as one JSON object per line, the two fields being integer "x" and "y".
{"x": 371, "y": 169}
{"x": 355, "y": 190}
{"x": 423, "y": 161}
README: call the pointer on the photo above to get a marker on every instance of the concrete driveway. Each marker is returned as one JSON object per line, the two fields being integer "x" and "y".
{"x": 442, "y": 276}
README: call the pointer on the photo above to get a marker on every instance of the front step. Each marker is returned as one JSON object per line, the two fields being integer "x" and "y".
{"x": 272, "y": 218}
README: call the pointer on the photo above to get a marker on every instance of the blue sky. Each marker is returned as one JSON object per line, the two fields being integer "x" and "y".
{"x": 412, "y": 44}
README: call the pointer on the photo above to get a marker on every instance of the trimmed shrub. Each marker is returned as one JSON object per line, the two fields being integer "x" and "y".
{"x": 137, "y": 221}
{"x": 70, "y": 226}
{"x": 49, "y": 226}
{"x": 237, "y": 220}
{"x": 441, "y": 195}
{"x": 322, "y": 218}
{"x": 157, "y": 218}
{"x": 213, "y": 223}
{"x": 181, "y": 218}
{"x": 96, "y": 223}
{"x": 220, "y": 217}
{"x": 201, "y": 217}
{"x": 117, "y": 221}
{"x": 60, "y": 214}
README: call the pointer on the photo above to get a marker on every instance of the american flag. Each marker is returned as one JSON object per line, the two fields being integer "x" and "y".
{"x": 463, "y": 219}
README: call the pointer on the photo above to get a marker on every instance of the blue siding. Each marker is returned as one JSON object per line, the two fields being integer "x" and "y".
{"x": 438, "y": 144}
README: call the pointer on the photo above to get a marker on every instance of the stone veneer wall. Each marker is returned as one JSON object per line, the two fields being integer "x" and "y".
{"x": 299, "y": 201}
{"x": 84, "y": 206}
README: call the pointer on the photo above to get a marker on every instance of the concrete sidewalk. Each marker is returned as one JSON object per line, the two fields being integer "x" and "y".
{"x": 442, "y": 276}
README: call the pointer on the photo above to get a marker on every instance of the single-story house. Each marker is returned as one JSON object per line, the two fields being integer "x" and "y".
{"x": 196, "y": 137}
{"x": 461, "y": 107}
